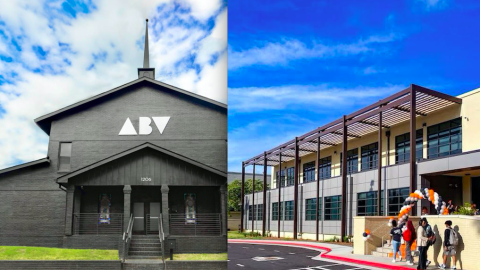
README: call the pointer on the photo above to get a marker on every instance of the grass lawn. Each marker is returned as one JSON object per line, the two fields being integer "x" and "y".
{"x": 199, "y": 257}
{"x": 42, "y": 253}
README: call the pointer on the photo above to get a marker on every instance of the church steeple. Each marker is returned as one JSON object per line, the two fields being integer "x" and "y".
{"x": 146, "y": 71}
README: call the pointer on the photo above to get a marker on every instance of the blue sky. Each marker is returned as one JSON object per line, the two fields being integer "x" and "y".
{"x": 295, "y": 65}
{"x": 54, "y": 53}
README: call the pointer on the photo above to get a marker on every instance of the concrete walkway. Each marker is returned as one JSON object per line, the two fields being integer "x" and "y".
{"x": 337, "y": 253}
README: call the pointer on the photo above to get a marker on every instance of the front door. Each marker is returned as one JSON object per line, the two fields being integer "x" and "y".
{"x": 146, "y": 216}
{"x": 139, "y": 217}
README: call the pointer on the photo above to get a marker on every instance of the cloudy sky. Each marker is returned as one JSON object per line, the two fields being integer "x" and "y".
{"x": 297, "y": 65}
{"x": 54, "y": 53}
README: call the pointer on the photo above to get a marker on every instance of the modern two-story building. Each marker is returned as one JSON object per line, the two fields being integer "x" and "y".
{"x": 381, "y": 170}
{"x": 138, "y": 155}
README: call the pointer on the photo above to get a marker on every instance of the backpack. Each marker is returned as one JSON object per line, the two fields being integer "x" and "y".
{"x": 430, "y": 235}
{"x": 407, "y": 235}
{"x": 453, "y": 239}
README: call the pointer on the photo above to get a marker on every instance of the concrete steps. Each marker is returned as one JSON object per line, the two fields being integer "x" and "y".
{"x": 145, "y": 247}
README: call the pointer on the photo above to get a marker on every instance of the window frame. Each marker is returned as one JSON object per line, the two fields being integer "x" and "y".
{"x": 370, "y": 153}
{"x": 434, "y": 134}
{"x": 328, "y": 216}
{"x": 374, "y": 205}
{"x": 399, "y": 203}
{"x": 59, "y": 169}
{"x": 289, "y": 206}
{"x": 309, "y": 170}
{"x": 290, "y": 181}
{"x": 325, "y": 168}
{"x": 405, "y": 140}
{"x": 310, "y": 209}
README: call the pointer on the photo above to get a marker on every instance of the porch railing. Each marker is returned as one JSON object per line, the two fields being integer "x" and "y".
{"x": 92, "y": 223}
{"x": 127, "y": 236}
{"x": 203, "y": 224}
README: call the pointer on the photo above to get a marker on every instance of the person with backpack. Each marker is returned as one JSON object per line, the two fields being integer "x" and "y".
{"x": 396, "y": 240}
{"x": 409, "y": 236}
{"x": 431, "y": 239}
{"x": 449, "y": 245}
{"x": 422, "y": 245}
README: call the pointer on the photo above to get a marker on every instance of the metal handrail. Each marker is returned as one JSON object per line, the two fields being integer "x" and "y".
{"x": 161, "y": 236}
{"x": 202, "y": 224}
{"x": 94, "y": 223}
{"x": 127, "y": 235}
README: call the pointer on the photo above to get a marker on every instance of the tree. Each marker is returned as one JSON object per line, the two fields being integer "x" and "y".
{"x": 235, "y": 192}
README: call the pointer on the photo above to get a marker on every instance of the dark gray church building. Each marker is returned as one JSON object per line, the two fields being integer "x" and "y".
{"x": 135, "y": 162}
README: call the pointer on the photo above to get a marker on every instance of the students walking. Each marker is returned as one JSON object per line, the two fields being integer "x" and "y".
{"x": 409, "y": 235}
{"x": 422, "y": 245}
{"x": 395, "y": 240}
{"x": 449, "y": 245}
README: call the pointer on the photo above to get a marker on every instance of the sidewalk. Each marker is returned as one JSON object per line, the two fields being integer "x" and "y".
{"x": 337, "y": 253}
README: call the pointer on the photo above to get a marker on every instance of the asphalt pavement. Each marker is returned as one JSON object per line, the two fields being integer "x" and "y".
{"x": 254, "y": 256}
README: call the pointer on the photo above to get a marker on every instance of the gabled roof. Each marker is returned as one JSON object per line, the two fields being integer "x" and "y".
{"x": 44, "y": 122}
{"x": 24, "y": 165}
{"x": 64, "y": 178}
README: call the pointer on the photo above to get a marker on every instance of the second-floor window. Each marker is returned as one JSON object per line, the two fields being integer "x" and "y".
{"x": 290, "y": 176}
{"x": 325, "y": 167}
{"x": 309, "y": 172}
{"x": 369, "y": 156}
{"x": 445, "y": 138}
{"x": 402, "y": 147}
{"x": 64, "y": 156}
{"x": 280, "y": 178}
{"x": 352, "y": 161}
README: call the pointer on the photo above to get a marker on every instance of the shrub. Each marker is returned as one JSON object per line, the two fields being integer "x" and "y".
{"x": 466, "y": 209}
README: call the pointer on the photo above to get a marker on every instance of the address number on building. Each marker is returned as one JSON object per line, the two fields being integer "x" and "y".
{"x": 146, "y": 179}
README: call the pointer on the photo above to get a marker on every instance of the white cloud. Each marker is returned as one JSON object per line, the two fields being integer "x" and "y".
{"x": 313, "y": 97}
{"x": 96, "y": 52}
{"x": 280, "y": 53}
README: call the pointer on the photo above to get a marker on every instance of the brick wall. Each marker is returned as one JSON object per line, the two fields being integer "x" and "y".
{"x": 197, "y": 265}
{"x": 200, "y": 244}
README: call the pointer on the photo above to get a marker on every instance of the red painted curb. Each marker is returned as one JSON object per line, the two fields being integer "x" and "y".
{"x": 323, "y": 255}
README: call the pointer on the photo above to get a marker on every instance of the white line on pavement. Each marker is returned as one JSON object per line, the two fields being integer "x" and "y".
{"x": 241, "y": 265}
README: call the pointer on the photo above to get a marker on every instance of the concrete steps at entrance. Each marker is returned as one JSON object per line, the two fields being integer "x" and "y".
{"x": 145, "y": 247}
{"x": 383, "y": 251}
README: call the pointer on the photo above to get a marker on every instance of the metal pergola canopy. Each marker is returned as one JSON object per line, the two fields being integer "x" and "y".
{"x": 395, "y": 110}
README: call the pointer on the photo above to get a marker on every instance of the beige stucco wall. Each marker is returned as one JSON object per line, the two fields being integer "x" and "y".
{"x": 470, "y": 120}
{"x": 469, "y": 111}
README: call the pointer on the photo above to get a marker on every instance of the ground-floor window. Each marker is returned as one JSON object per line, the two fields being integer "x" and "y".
{"x": 310, "y": 209}
{"x": 333, "y": 207}
{"x": 367, "y": 203}
{"x": 396, "y": 198}
{"x": 275, "y": 211}
{"x": 289, "y": 210}
{"x": 290, "y": 176}
{"x": 258, "y": 212}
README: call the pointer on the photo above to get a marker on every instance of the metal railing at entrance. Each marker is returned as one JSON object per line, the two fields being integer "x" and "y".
{"x": 202, "y": 224}
{"x": 94, "y": 223}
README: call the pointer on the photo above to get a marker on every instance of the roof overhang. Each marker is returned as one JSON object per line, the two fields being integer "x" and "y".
{"x": 64, "y": 178}
{"x": 25, "y": 165}
{"x": 44, "y": 122}
{"x": 395, "y": 110}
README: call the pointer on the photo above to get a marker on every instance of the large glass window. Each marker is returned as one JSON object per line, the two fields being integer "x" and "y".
{"x": 325, "y": 167}
{"x": 275, "y": 211}
{"x": 289, "y": 210}
{"x": 65, "y": 154}
{"x": 280, "y": 179}
{"x": 352, "y": 161}
{"x": 445, "y": 138}
{"x": 310, "y": 211}
{"x": 369, "y": 156}
{"x": 367, "y": 203}
{"x": 396, "y": 198}
{"x": 402, "y": 147}
{"x": 258, "y": 212}
{"x": 290, "y": 176}
{"x": 309, "y": 172}
{"x": 333, "y": 207}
